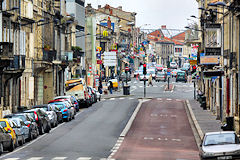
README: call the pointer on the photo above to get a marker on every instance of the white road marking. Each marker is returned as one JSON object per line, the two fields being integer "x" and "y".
{"x": 178, "y": 100}
{"x": 59, "y": 158}
{"x": 122, "y": 98}
{"x": 173, "y": 115}
{"x": 130, "y": 98}
{"x": 154, "y": 115}
{"x": 165, "y": 139}
{"x": 111, "y": 99}
{"x": 178, "y": 140}
{"x": 84, "y": 158}
{"x": 35, "y": 158}
{"x": 148, "y": 138}
{"x": 140, "y": 86}
{"x": 159, "y": 99}
{"x": 169, "y": 99}
{"x": 159, "y": 139}
{"x": 135, "y": 82}
{"x": 12, "y": 159}
{"x": 103, "y": 99}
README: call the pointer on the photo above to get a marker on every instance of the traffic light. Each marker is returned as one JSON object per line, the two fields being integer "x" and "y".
{"x": 144, "y": 69}
{"x": 194, "y": 68}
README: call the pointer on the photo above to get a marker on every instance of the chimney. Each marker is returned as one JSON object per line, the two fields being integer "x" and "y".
{"x": 163, "y": 27}
{"x": 120, "y": 7}
{"x": 99, "y": 6}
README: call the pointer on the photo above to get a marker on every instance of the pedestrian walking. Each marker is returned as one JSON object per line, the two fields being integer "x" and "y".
{"x": 100, "y": 87}
{"x": 110, "y": 87}
{"x": 150, "y": 80}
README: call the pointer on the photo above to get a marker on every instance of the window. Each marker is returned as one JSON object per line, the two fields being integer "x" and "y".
{"x": 3, "y": 124}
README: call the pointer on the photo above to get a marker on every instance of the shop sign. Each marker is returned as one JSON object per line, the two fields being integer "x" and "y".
{"x": 209, "y": 60}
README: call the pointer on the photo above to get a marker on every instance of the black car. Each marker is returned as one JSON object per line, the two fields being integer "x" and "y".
{"x": 29, "y": 121}
{"x": 6, "y": 141}
{"x": 181, "y": 76}
{"x": 41, "y": 118}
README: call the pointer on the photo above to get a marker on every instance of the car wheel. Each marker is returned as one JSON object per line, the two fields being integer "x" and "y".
{"x": 16, "y": 144}
{"x": 11, "y": 148}
{"x": 24, "y": 140}
{"x": 1, "y": 148}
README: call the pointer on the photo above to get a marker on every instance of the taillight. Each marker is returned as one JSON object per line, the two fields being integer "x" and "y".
{"x": 14, "y": 131}
{"x": 89, "y": 96}
{"x": 28, "y": 125}
{"x": 36, "y": 116}
{"x": 75, "y": 103}
{"x": 65, "y": 110}
{"x": 84, "y": 93}
{"x": 8, "y": 129}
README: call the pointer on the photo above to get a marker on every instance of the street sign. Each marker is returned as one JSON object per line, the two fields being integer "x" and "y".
{"x": 168, "y": 70}
{"x": 193, "y": 62}
{"x": 110, "y": 58}
{"x": 169, "y": 73}
{"x": 99, "y": 61}
{"x": 127, "y": 68}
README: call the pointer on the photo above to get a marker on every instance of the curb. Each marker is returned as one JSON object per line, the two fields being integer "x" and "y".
{"x": 195, "y": 122}
{"x": 129, "y": 124}
{"x": 165, "y": 89}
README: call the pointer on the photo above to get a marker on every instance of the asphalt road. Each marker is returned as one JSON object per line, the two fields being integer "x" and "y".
{"x": 91, "y": 135}
{"x": 95, "y": 130}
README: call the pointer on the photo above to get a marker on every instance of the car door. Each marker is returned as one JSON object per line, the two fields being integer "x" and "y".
{"x": 25, "y": 129}
{"x": 5, "y": 138}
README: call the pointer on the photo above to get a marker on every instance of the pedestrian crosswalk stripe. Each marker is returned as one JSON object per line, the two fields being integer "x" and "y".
{"x": 112, "y": 99}
{"x": 103, "y": 99}
{"x": 59, "y": 158}
{"x": 84, "y": 158}
{"x": 12, "y": 159}
{"x": 122, "y": 98}
{"x": 140, "y": 86}
{"x": 131, "y": 98}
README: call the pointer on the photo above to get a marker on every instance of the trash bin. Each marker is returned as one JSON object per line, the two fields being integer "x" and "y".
{"x": 126, "y": 90}
{"x": 203, "y": 103}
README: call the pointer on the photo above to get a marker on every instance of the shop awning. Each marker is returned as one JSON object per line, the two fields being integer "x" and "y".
{"x": 213, "y": 73}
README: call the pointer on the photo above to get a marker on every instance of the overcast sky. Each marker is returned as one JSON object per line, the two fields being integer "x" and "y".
{"x": 173, "y": 13}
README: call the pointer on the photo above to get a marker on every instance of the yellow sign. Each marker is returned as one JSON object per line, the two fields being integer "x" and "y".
{"x": 193, "y": 62}
{"x": 105, "y": 33}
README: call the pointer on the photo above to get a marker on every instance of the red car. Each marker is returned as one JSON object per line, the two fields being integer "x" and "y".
{"x": 159, "y": 67}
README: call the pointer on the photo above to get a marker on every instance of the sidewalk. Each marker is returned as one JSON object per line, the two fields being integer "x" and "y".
{"x": 203, "y": 120}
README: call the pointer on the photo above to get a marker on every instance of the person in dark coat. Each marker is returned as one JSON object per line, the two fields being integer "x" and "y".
{"x": 110, "y": 87}
{"x": 100, "y": 87}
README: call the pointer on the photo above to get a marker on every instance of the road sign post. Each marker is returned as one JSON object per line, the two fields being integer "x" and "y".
{"x": 144, "y": 92}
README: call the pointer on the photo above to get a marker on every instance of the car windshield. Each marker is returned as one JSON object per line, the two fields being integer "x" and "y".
{"x": 22, "y": 117}
{"x": 181, "y": 73}
{"x": 219, "y": 139}
{"x": 3, "y": 124}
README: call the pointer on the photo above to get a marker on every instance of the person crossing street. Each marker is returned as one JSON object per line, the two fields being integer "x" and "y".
{"x": 150, "y": 80}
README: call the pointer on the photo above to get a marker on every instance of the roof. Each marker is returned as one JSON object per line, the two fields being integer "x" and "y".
{"x": 174, "y": 41}
{"x": 157, "y": 33}
{"x": 179, "y": 37}
{"x": 221, "y": 132}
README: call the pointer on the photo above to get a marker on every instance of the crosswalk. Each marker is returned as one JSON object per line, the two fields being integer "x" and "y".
{"x": 118, "y": 98}
{"x": 59, "y": 158}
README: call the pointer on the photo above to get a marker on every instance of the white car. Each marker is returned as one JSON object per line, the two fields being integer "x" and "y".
{"x": 173, "y": 65}
{"x": 220, "y": 145}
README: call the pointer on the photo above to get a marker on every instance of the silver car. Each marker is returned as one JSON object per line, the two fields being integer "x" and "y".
{"x": 220, "y": 145}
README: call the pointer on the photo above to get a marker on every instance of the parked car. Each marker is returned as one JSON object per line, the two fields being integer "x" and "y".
{"x": 51, "y": 113}
{"x": 22, "y": 131}
{"x": 41, "y": 118}
{"x": 62, "y": 106}
{"x": 98, "y": 94}
{"x": 159, "y": 67}
{"x": 29, "y": 122}
{"x": 174, "y": 72}
{"x": 78, "y": 88}
{"x": 220, "y": 145}
{"x": 173, "y": 65}
{"x": 92, "y": 95}
{"x": 6, "y": 141}
{"x": 181, "y": 76}
{"x": 161, "y": 76}
{"x": 7, "y": 125}
{"x": 69, "y": 106}
{"x": 72, "y": 99}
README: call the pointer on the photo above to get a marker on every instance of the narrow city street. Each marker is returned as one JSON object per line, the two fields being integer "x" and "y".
{"x": 160, "y": 129}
